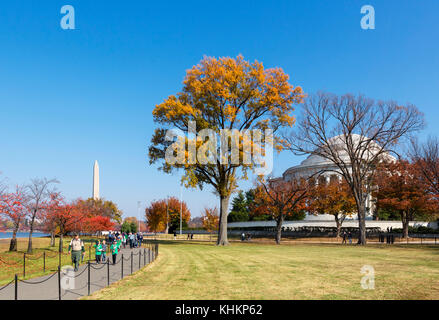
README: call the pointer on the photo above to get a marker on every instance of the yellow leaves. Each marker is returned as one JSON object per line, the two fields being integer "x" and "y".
{"x": 173, "y": 109}
{"x": 227, "y": 93}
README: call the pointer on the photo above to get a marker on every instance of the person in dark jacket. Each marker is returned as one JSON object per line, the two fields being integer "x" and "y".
{"x": 344, "y": 237}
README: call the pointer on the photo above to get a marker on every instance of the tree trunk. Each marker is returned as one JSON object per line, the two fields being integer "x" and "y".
{"x": 52, "y": 239}
{"x": 61, "y": 242}
{"x": 362, "y": 223}
{"x": 338, "y": 224}
{"x": 13, "y": 244}
{"x": 279, "y": 222}
{"x": 29, "y": 245}
{"x": 222, "y": 231}
{"x": 405, "y": 225}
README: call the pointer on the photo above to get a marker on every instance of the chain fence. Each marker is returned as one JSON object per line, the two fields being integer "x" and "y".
{"x": 71, "y": 285}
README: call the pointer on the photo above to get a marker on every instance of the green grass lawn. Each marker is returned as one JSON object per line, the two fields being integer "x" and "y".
{"x": 11, "y": 263}
{"x": 266, "y": 271}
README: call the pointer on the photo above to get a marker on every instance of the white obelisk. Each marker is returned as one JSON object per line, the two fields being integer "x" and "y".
{"x": 96, "y": 181}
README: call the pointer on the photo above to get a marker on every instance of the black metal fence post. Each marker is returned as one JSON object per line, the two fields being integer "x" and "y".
{"x": 108, "y": 272}
{"x": 16, "y": 287}
{"x": 144, "y": 257}
{"x": 44, "y": 261}
{"x": 59, "y": 283}
{"x": 59, "y": 258}
{"x": 24, "y": 265}
{"x": 88, "y": 280}
{"x": 121, "y": 272}
{"x": 140, "y": 256}
{"x": 89, "y": 252}
{"x": 131, "y": 262}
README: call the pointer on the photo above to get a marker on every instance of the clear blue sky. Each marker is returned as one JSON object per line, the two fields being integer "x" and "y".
{"x": 69, "y": 97}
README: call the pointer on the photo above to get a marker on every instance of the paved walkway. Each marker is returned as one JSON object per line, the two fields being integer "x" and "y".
{"x": 47, "y": 287}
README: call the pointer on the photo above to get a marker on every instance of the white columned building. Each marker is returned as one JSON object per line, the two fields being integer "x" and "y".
{"x": 317, "y": 165}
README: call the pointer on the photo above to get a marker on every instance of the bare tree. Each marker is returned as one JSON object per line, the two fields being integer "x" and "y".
{"x": 38, "y": 193}
{"x": 281, "y": 198}
{"x": 426, "y": 158}
{"x": 354, "y": 133}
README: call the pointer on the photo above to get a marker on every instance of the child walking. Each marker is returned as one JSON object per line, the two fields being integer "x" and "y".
{"x": 104, "y": 251}
{"x": 114, "y": 248}
{"x": 98, "y": 251}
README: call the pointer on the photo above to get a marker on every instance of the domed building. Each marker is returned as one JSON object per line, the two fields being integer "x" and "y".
{"x": 316, "y": 163}
{"x": 322, "y": 167}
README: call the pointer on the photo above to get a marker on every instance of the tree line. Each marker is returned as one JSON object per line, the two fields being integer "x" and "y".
{"x": 354, "y": 133}
{"x": 46, "y": 209}
{"x": 399, "y": 192}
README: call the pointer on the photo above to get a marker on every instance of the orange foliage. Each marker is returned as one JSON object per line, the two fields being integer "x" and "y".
{"x": 210, "y": 219}
{"x": 156, "y": 214}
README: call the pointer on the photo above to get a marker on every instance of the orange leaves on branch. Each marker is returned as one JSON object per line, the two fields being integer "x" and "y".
{"x": 13, "y": 207}
{"x": 210, "y": 219}
{"x": 401, "y": 189}
{"x": 333, "y": 197}
{"x": 166, "y": 211}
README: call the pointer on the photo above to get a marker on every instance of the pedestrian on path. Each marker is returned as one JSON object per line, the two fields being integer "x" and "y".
{"x": 344, "y": 237}
{"x": 124, "y": 240}
{"x": 98, "y": 251}
{"x": 104, "y": 251}
{"x": 76, "y": 247}
{"x": 114, "y": 248}
{"x": 350, "y": 237}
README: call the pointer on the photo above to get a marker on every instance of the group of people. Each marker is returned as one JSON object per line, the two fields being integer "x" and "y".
{"x": 348, "y": 236}
{"x": 114, "y": 242}
{"x": 101, "y": 250}
{"x": 246, "y": 236}
{"x": 134, "y": 240}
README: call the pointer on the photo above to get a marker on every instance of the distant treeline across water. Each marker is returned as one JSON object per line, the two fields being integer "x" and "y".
{"x": 8, "y": 235}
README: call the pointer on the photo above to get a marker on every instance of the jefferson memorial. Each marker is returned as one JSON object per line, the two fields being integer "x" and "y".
{"x": 313, "y": 165}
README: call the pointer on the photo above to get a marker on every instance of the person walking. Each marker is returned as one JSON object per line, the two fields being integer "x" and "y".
{"x": 350, "y": 237}
{"x": 98, "y": 251}
{"x": 344, "y": 237}
{"x": 119, "y": 242}
{"x": 76, "y": 247}
{"x": 114, "y": 248}
{"x": 104, "y": 251}
{"x": 124, "y": 240}
{"x": 175, "y": 235}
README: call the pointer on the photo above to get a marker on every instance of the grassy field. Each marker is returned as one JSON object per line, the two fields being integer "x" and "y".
{"x": 187, "y": 270}
{"x": 11, "y": 263}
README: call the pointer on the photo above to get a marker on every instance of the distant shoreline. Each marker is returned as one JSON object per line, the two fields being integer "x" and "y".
{"x": 7, "y": 235}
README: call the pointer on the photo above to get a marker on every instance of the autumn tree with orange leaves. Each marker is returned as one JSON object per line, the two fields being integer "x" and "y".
{"x": 400, "y": 189}
{"x": 332, "y": 197}
{"x": 281, "y": 198}
{"x": 66, "y": 216}
{"x": 220, "y": 94}
{"x": 13, "y": 208}
{"x": 166, "y": 213}
{"x": 210, "y": 219}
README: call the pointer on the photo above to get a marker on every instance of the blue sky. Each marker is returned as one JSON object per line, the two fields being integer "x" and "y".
{"x": 69, "y": 97}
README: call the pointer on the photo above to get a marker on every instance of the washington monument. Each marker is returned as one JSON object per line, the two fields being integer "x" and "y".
{"x": 96, "y": 181}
